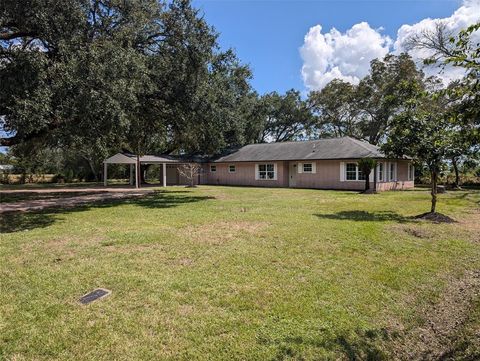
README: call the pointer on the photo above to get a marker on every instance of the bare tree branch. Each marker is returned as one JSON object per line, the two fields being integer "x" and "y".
{"x": 190, "y": 171}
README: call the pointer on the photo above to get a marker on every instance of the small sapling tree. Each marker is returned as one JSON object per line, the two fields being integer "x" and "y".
{"x": 190, "y": 171}
{"x": 424, "y": 133}
{"x": 366, "y": 165}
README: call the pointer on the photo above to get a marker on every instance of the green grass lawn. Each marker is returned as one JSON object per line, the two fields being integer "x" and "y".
{"x": 230, "y": 273}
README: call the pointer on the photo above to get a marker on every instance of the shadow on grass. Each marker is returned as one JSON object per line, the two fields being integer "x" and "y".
{"x": 167, "y": 199}
{"x": 360, "y": 345}
{"x": 20, "y": 221}
{"x": 364, "y": 216}
{"x": 366, "y": 346}
{"x": 462, "y": 193}
{"x": 17, "y": 221}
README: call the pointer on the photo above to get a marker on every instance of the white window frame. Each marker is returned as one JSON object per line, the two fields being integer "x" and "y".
{"x": 392, "y": 172}
{"x": 257, "y": 171}
{"x": 313, "y": 168}
{"x": 381, "y": 171}
{"x": 310, "y": 166}
{"x": 356, "y": 172}
{"x": 230, "y": 168}
{"x": 411, "y": 172}
{"x": 213, "y": 168}
{"x": 343, "y": 174}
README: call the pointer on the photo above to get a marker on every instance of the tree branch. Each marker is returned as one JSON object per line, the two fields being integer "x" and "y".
{"x": 6, "y": 36}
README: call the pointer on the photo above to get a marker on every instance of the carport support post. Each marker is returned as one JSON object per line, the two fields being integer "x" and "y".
{"x": 136, "y": 174}
{"x": 164, "y": 173}
{"x": 105, "y": 174}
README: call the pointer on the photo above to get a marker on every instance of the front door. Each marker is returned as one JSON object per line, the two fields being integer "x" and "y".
{"x": 292, "y": 174}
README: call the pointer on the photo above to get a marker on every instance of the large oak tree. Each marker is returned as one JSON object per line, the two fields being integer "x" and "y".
{"x": 98, "y": 75}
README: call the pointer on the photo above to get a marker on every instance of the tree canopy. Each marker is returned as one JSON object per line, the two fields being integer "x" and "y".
{"x": 365, "y": 110}
{"x": 143, "y": 74}
{"x": 97, "y": 76}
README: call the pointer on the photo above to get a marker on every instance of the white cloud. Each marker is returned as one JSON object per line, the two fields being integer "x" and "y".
{"x": 347, "y": 56}
{"x": 336, "y": 55}
{"x": 464, "y": 16}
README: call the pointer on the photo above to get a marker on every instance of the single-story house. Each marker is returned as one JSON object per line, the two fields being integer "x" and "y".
{"x": 321, "y": 164}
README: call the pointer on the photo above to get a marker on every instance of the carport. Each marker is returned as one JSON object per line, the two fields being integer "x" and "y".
{"x": 135, "y": 162}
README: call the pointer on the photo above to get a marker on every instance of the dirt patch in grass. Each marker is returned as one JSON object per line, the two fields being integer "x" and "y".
{"x": 58, "y": 249}
{"x": 418, "y": 232}
{"x": 185, "y": 310}
{"x": 222, "y": 196}
{"x": 218, "y": 194}
{"x": 185, "y": 261}
{"x": 471, "y": 222}
{"x": 67, "y": 200}
{"x": 215, "y": 233}
{"x": 31, "y": 196}
{"x": 414, "y": 231}
{"x": 443, "y": 323}
{"x": 435, "y": 217}
{"x": 467, "y": 345}
{"x": 468, "y": 223}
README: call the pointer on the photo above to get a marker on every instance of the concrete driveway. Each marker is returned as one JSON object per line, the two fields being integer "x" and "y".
{"x": 64, "y": 197}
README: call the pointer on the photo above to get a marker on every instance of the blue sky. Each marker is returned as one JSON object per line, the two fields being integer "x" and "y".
{"x": 267, "y": 35}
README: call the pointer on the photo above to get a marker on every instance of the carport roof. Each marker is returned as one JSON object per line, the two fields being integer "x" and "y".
{"x": 128, "y": 158}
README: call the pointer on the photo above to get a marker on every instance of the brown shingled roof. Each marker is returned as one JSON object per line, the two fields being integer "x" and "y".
{"x": 333, "y": 148}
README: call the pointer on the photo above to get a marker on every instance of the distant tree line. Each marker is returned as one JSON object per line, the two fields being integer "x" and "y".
{"x": 83, "y": 79}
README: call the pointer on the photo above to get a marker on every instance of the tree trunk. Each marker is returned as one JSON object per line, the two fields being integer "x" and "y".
{"x": 93, "y": 170}
{"x": 96, "y": 172}
{"x": 457, "y": 178}
{"x": 434, "y": 191}
{"x": 143, "y": 173}
{"x": 375, "y": 178}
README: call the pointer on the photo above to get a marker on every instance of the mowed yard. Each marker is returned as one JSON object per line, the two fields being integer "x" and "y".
{"x": 244, "y": 274}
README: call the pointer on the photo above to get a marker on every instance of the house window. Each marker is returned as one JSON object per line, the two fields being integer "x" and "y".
{"x": 411, "y": 171}
{"x": 380, "y": 171}
{"x": 266, "y": 171}
{"x": 351, "y": 171}
{"x": 213, "y": 168}
{"x": 231, "y": 168}
{"x": 392, "y": 171}
{"x": 307, "y": 168}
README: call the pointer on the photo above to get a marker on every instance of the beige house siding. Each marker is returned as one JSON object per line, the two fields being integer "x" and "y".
{"x": 174, "y": 177}
{"x": 326, "y": 176}
{"x": 244, "y": 175}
